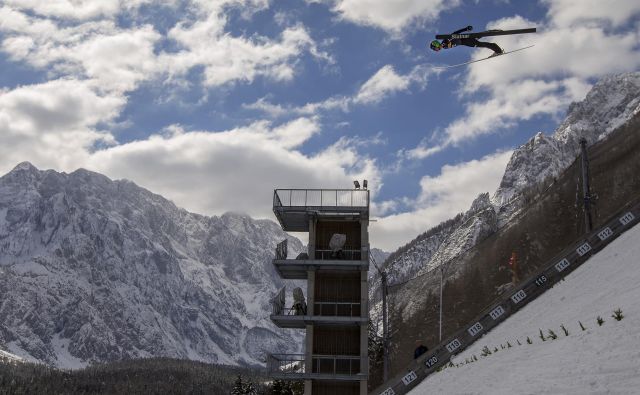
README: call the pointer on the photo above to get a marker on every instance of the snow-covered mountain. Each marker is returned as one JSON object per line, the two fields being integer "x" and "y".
{"x": 612, "y": 101}
{"x": 93, "y": 269}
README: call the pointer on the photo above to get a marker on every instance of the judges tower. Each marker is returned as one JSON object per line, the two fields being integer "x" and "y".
{"x": 335, "y": 267}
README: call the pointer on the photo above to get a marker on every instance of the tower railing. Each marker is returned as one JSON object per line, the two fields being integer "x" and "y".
{"x": 294, "y": 365}
{"x": 357, "y": 198}
{"x": 281, "y": 250}
{"x": 287, "y": 364}
{"x": 277, "y": 302}
{"x": 337, "y": 309}
{"x": 324, "y": 254}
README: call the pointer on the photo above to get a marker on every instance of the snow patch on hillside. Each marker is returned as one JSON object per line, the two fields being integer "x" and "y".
{"x": 600, "y": 359}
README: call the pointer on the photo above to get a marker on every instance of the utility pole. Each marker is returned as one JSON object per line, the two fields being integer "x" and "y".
{"x": 585, "y": 186}
{"x": 442, "y": 271}
{"x": 385, "y": 323}
{"x": 440, "y": 331}
{"x": 385, "y": 327}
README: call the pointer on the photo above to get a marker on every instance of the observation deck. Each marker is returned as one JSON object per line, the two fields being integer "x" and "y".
{"x": 298, "y": 269}
{"x": 323, "y": 367}
{"x": 322, "y": 313}
{"x": 293, "y": 207}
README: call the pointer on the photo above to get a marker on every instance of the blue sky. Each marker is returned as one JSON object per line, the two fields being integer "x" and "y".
{"x": 215, "y": 103}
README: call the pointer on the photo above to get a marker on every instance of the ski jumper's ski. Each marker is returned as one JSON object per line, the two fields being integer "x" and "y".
{"x": 480, "y": 60}
{"x": 485, "y": 34}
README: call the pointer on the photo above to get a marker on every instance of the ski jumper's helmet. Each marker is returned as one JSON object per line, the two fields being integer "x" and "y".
{"x": 435, "y": 45}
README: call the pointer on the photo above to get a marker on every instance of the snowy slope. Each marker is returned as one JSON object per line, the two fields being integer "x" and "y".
{"x": 8, "y": 357}
{"x": 598, "y": 360}
{"x": 97, "y": 270}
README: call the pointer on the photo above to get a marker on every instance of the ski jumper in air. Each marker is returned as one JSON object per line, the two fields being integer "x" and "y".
{"x": 466, "y": 41}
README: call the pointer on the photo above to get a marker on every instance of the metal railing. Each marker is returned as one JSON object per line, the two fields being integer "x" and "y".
{"x": 277, "y": 302}
{"x": 335, "y": 364}
{"x": 294, "y": 364}
{"x": 342, "y": 255}
{"x": 336, "y": 309}
{"x": 281, "y": 250}
{"x": 288, "y": 364}
{"x": 321, "y": 198}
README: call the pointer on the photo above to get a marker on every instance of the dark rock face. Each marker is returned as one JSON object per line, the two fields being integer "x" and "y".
{"x": 98, "y": 270}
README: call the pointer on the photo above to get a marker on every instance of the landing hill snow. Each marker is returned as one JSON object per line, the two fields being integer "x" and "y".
{"x": 597, "y": 360}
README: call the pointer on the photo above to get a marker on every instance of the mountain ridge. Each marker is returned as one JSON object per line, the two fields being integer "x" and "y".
{"x": 99, "y": 270}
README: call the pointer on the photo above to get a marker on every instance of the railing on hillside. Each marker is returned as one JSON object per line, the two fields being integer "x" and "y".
{"x": 357, "y": 198}
{"x": 512, "y": 301}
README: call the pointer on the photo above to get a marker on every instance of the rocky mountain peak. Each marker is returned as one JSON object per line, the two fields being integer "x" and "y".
{"x": 99, "y": 270}
{"x": 610, "y": 103}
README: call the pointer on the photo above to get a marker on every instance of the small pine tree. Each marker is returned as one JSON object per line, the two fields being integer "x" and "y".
{"x": 495, "y": 349}
{"x": 276, "y": 387}
{"x": 582, "y": 326}
{"x": 238, "y": 387}
{"x": 508, "y": 345}
{"x": 518, "y": 342}
{"x": 617, "y": 314}
{"x": 485, "y": 351}
{"x": 249, "y": 389}
{"x": 566, "y": 332}
{"x": 552, "y": 335}
{"x": 475, "y": 359}
{"x": 451, "y": 364}
{"x": 502, "y": 347}
{"x": 600, "y": 321}
{"x": 542, "y": 336}
{"x": 529, "y": 340}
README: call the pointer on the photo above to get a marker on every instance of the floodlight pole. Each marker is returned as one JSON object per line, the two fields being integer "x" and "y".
{"x": 385, "y": 323}
{"x": 585, "y": 186}
{"x": 385, "y": 327}
{"x": 440, "y": 326}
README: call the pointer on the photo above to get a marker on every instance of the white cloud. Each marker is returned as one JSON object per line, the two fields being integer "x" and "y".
{"x": 82, "y": 9}
{"x": 235, "y": 170}
{"x": 545, "y": 79}
{"x": 53, "y": 124}
{"x": 383, "y": 83}
{"x": 441, "y": 197}
{"x": 95, "y": 63}
{"x": 88, "y": 43}
{"x": 423, "y": 150}
{"x": 226, "y": 58}
{"x": 518, "y": 101}
{"x": 569, "y": 13}
{"x": 392, "y": 16}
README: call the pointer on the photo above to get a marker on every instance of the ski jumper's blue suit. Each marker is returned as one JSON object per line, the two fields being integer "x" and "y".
{"x": 469, "y": 42}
